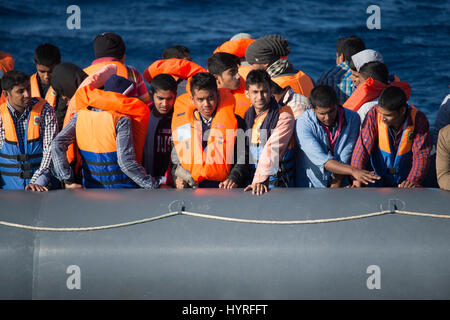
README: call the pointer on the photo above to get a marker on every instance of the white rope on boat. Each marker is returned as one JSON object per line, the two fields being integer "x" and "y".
{"x": 206, "y": 216}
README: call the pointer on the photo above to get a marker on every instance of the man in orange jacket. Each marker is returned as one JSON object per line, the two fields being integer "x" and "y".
{"x": 204, "y": 134}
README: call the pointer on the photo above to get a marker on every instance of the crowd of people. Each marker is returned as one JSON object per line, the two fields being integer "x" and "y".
{"x": 251, "y": 120}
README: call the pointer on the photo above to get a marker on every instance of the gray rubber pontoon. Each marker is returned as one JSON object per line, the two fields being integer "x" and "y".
{"x": 391, "y": 256}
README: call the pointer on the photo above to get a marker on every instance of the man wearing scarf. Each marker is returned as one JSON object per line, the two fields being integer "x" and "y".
{"x": 270, "y": 53}
{"x": 271, "y": 136}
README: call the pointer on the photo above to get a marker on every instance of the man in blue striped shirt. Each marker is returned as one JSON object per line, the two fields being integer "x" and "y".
{"x": 339, "y": 77}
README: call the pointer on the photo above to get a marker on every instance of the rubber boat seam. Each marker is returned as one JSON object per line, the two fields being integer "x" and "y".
{"x": 200, "y": 215}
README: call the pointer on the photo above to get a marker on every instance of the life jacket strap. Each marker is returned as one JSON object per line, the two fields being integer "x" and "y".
{"x": 22, "y": 166}
{"x": 21, "y": 157}
{"x": 22, "y": 174}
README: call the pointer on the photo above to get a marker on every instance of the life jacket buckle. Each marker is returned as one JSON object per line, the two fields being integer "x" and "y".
{"x": 392, "y": 170}
{"x": 26, "y": 166}
{"x": 22, "y": 157}
{"x": 25, "y": 175}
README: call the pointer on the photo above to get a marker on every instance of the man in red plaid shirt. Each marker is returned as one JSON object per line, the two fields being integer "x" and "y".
{"x": 395, "y": 137}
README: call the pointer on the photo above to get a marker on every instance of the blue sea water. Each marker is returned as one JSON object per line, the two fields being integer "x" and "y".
{"x": 414, "y": 38}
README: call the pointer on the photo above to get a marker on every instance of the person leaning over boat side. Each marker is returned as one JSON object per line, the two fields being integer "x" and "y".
{"x": 109, "y": 48}
{"x": 443, "y": 158}
{"x": 158, "y": 141}
{"x": 27, "y": 128}
{"x": 224, "y": 66}
{"x": 271, "y": 138}
{"x": 270, "y": 53}
{"x": 395, "y": 137}
{"x": 339, "y": 77}
{"x": 206, "y": 135}
{"x": 46, "y": 57}
{"x": 105, "y": 141}
{"x": 326, "y": 135}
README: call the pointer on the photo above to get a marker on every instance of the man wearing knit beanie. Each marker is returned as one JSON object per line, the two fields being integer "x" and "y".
{"x": 109, "y": 44}
{"x": 270, "y": 53}
{"x": 109, "y": 48}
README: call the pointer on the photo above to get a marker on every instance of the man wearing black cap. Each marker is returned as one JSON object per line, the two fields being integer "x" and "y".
{"x": 105, "y": 141}
{"x": 270, "y": 53}
{"x": 109, "y": 48}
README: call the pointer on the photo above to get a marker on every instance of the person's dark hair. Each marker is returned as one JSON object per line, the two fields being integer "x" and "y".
{"x": 178, "y": 52}
{"x": 13, "y": 78}
{"x": 340, "y": 43}
{"x": 66, "y": 77}
{"x": 352, "y": 65}
{"x": 323, "y": 96}
{"x": 352, "y": 46}
{"x": 47, "y": 55}
{"x": 392, "y": 98}
{"x": 163, "y": 82}
{"x": 275, "y": 88}
{"x": 109, "y": 44}
{"x": 257, "y": 77}
{"x": 375, "y": 70}
{"x": 222, "y": 61}
{"x": 203, "y": 81}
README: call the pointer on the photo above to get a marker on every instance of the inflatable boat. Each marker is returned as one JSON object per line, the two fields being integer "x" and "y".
{"x": 225, "y": 244}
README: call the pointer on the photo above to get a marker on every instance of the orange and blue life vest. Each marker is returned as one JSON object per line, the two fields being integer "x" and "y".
{"x": 96, "y": 139}
{"x": 20, "y": 158}
{"x": 394, "y": 167}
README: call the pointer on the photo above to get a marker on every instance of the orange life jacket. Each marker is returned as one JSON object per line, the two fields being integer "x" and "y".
{"x": 178, "y": 68}
{"x": 242, "y": 102}
{"x": 244, "y": 71}
{"x": 6, "y": 62}
{"x": 50, "y": 96}
{"x": 236, "y": 47}
{"x": 300, "y": 82}
{"x": 214, "y": 164}
{"x": 370, "y": 90}
{"x": 121, "y": 68}
{"x": 134, "y": 108}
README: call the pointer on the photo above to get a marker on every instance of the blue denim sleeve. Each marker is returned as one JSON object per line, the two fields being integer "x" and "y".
{"x": 310, "y": 142}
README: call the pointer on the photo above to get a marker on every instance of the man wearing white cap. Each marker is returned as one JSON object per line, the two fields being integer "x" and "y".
{"x": 360, "y": 59}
